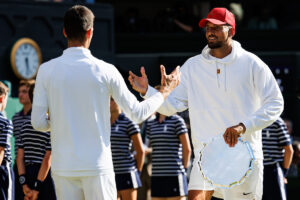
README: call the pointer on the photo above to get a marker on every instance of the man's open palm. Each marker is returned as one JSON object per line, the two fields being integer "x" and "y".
{"x": 139, "y": 84}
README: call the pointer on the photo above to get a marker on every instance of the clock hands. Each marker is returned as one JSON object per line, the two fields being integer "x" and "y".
{"x": 27, "y": 65}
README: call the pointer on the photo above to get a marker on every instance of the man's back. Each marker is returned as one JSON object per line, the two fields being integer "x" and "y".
{"x": 77, "y": 89}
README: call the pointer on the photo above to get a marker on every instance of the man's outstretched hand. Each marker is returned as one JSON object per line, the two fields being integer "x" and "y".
{"x": 168, "y": 82}
{"x": 139, "y": 84}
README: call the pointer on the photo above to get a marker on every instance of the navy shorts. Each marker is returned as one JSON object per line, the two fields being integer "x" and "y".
{"x": 169, "y": 186}
{"x": 18, "y": 187}
{"x": 7, "y": 182}
{"x": 47, "y": 189}
{"x": 128, "y": 180}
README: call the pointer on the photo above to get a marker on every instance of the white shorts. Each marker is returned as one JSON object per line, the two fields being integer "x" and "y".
{"x": 251, "y": 189}
{"x": 101, "y": 187}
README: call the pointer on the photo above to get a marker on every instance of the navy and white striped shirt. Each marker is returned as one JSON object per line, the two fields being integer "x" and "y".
{"x": 121, "y": 144}
{"x": 274, "y": 138}
{"x": 34, "y": 143}
{"x": 18, "y": 120}
{"x": 166, "y": 146}
{"x": 6, "y": 129}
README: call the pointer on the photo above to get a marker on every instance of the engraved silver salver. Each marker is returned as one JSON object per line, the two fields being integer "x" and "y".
{"x": 224, "y": 166}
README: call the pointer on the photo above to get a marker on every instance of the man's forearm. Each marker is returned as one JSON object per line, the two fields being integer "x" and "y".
{"x": 20, "y": 162}
{"x": 1, "y": 155}
{"x": 45, "y": 166}
{"x": 288, "y": 155}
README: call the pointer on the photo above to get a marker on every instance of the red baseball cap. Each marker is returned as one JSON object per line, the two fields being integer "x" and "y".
{"x": 219, "y": 16}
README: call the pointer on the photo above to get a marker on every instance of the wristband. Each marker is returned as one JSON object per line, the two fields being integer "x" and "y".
{"x": 22, "y": 179}
{"x": 37, "y": 185}
{"x": 285, "y": 171}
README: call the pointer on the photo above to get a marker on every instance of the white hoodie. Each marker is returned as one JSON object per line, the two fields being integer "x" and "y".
{"x": 245, "y": 90}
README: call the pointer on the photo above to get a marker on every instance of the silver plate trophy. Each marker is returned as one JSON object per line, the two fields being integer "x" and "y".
{"x": 224, "y": 166}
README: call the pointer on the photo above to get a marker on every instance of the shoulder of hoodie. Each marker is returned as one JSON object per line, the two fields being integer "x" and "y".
{"x": 191, "y": 61}
{"x": 251, "y": 58}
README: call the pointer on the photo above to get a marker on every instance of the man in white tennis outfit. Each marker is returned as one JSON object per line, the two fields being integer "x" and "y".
{"x": 76, "y": 89}
{"x": 228, "y": 91}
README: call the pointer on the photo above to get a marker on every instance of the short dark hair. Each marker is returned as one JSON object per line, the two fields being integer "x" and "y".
{"x": 27, "y": 83}
{"x": 3, "y": 89}
{"x": 30, "y": 92}
{"x": 77, "y": 21}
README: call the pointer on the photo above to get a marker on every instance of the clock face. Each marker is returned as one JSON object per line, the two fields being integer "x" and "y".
{"x": 25, "y": 58}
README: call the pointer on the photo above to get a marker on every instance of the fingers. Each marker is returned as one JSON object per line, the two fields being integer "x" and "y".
{"x": 130, "y": 78}
{"x": 163, "y": 70}
{"x": 176, "y": 70}
{"x": 234, "y": 141}
{"x": 143, "y": 72}
{"x": 163, "y": 75}
{"x": 132, "y": 75}
{"x": 225, "y": 136}
{"x": 231, "y": 137}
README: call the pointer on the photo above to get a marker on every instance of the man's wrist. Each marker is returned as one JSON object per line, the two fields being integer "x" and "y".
{"x": 243, "y": 127}
{"x": 144, "y": 92}
{"x": 165, "y": 91}
{"x": 285, "y": 171}
{"x": 22, "y": 179}
{"x": 37, "y": 185}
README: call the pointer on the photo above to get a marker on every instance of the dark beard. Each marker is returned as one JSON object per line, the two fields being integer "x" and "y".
{"x": 215, "y": 45}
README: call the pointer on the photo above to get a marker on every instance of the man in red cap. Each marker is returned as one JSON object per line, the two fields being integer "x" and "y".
{"x": 229, "y": 92}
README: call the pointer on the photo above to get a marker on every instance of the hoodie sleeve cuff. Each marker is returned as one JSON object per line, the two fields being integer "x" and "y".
{"x": 151, "y": 91}
{"x": 248, "y": 126}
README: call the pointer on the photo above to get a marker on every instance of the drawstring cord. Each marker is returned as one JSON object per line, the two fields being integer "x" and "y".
{"x": 217, "y": 74}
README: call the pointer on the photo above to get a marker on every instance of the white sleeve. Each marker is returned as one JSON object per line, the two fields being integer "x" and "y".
{"x": 135, "y": 110}
{"x": 39, "y": 117}
{"x": 177, "y": 101}
{"x": 267, "y": 89}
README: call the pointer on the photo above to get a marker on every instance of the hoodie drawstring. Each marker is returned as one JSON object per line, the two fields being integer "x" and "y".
{"x": 218, "y": 73}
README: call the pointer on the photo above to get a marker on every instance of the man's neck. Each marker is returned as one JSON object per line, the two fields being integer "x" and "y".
{"x": 223, "y": 51}
{"x": 27, "y": 108}
{"x": 72, "y": 43}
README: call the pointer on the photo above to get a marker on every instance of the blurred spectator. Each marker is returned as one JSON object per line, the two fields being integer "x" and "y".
{"x": 144, "y": 192}
{"x": 289, "y": 126}
{"x": 264, "y": 20}
{"x": 175, "y": 19}
{"x": 131, "y": 22}
{"x": 170, "y": 156}
{"x": 237, "y": 10}
{"x": 278, "y": 153}
{"x": 294, "y": 170}
{"x": 127, "y": 167}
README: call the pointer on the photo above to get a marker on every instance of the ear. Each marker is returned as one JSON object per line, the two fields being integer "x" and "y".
{"x": 232, "y": 32}
{"x": 89, "y": 32}
{"x": 64, "y": 32}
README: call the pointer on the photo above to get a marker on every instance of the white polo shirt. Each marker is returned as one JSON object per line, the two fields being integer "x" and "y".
{"x": 76, "y": 88}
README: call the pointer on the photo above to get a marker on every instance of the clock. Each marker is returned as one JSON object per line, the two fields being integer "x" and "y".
{"x": 25, "y": 58}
